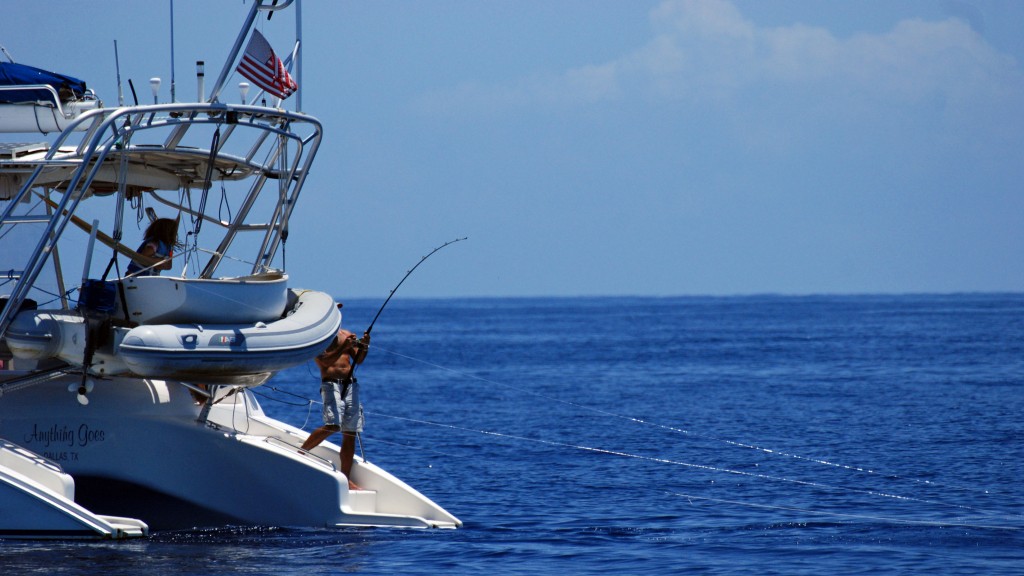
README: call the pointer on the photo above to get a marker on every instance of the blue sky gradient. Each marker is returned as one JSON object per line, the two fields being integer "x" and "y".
{"x": 603, "y": 147}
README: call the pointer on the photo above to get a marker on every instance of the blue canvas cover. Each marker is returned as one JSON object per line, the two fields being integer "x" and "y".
{"x": 19, "y": 75}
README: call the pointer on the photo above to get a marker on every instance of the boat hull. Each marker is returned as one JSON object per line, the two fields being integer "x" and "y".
{"x": 37, "y": 500}
{"x": 138, "y": 449}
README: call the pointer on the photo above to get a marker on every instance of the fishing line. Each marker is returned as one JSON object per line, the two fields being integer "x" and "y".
{"x": 703, "y": 467}
{"x": 714, "y": 469}
{"x": 674, "y": 429}
{"x": 810, "y": 484}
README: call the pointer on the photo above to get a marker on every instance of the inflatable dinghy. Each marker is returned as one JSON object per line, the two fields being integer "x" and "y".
{"x": 215, "y": 353}
{"x": 219, "y": 353}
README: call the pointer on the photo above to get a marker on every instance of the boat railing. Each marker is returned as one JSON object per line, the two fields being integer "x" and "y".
{"x": 26, "y": 454}
{"x": 281, "y": 443}
{"x": 56, "y": 104}
{"x": 107, "y": 142}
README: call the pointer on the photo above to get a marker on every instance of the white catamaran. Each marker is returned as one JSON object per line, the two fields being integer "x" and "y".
{"x": 124, "y": 399}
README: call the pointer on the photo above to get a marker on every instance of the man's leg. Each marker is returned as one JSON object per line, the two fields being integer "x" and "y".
{"x": 318, "y": 436}
{"x": 348, "y": 452}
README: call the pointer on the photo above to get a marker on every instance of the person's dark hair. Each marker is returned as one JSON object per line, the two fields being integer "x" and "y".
{"x": 164, "y": 230}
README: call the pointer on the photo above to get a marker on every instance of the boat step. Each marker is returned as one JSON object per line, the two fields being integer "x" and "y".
{"x": 361, "y": 502}
{"x": 126, "y": 527}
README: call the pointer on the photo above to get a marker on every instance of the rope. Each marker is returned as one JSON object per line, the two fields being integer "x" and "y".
{"x": 309, "y": 402}
{"x": 55, "y": 295}
{"x": 275, "y": 389}
{"x": 224, "y": 205}
{"x": 209, "y": 180}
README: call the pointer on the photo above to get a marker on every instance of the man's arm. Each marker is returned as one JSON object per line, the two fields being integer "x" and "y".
{"x": 360, "y": 348}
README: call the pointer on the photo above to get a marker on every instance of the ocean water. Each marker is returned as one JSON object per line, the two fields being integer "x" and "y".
{"x": 742, "y": 435}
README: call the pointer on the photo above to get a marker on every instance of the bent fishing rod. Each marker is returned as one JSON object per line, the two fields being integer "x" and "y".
{"x": 366, "y": 334}
{"x": 407, "y": 274}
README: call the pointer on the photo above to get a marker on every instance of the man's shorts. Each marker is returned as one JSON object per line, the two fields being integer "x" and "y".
{"x": 341, "y": 405}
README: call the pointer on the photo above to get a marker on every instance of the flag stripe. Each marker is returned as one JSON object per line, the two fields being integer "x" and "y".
{"x": 261, "y": 65}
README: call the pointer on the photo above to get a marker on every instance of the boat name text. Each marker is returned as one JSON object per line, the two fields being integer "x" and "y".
{"x": 65, "y": 435}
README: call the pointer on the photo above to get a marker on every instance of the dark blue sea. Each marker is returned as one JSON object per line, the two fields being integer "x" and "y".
{"x": 740, "y": 435}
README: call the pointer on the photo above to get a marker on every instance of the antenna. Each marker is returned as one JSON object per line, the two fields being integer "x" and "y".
{"x": 154, "y": 85}
{"x": 6, "y": 53}
{"x": 117, "y": 65}
{"x": 201, "y": 79}
{"x": 173, "y": 100}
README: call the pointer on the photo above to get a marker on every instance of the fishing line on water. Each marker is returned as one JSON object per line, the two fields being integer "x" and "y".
{"x": 819, "y": 485}
{"x": 309, "y": 403}
{"x": 674, "y": 429}
{"x": 704, "y": 467}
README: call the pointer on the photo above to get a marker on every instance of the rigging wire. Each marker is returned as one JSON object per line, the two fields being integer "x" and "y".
{"x": 208, "y": 182}
{"x": 309, "y": 402}
{"x": 190, "y": 246}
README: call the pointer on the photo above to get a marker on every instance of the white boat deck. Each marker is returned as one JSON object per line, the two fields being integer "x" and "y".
{"x": 37, "y": 499}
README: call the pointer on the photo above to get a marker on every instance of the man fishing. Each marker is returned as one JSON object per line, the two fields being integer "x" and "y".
{"x": 340, "y": 391}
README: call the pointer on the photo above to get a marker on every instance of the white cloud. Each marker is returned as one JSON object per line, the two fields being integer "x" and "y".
{"x": 724, "y": 52}
{"x": 706, "y": 50}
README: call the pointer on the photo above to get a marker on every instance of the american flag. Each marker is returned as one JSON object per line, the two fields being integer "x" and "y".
{"x": 265, "y": 69}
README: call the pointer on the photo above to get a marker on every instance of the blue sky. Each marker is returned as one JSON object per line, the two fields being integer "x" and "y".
{"x": 605, "y": 147}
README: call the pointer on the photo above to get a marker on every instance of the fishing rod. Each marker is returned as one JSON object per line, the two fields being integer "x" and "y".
{"x": 407, "y": 274}
{"x": 366, "y": 334}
